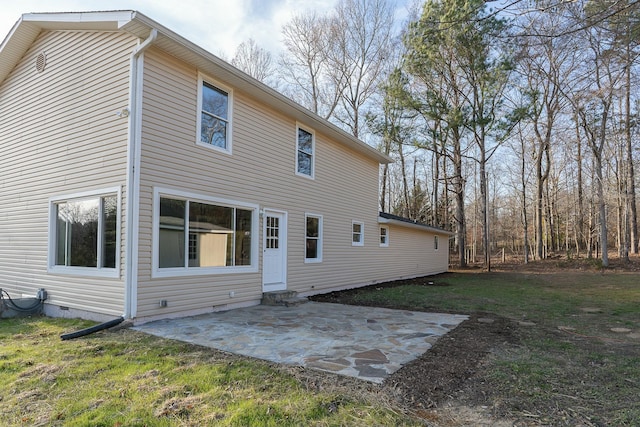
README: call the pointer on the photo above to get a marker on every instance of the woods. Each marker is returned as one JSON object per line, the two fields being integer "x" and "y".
{"x": 514, "y": 125}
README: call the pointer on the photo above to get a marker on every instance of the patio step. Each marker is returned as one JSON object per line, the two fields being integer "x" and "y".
{"x": 286, "y": 298}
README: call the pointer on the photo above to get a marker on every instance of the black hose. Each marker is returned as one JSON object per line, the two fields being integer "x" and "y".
{"x": 17, "y": 307}
{"x": 91, "y": 330}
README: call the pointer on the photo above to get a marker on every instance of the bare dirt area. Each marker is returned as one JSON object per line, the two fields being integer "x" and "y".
{"x": 454, "y": 383}
{"x": 442, "y": 386}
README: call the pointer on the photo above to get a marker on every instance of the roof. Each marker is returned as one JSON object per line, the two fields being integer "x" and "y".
{"x": 25, "y": 31}
{"x": 387, "y": 218}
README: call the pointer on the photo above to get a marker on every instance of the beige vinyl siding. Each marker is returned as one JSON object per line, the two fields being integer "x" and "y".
{"x": 412, "y": 253}
{"x": 260, "y": 170}
{"x": 60, "y": 135}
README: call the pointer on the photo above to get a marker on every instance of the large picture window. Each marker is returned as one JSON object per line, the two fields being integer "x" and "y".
{"x": 305, "y": 153}
{"x": 214, "y": 117}
{"x": 84, "y": 233}
{"x": 313, "y": 238}
{"x": 203, "y": 235}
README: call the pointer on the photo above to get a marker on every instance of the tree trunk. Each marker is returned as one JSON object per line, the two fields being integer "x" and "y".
{"x": 631, "y": 187}
{"x": 484, "y": 211}
{"x": 435, "y": 173}
{"x": 602, "y": 211}
{"x": 458, "y": 186}
{"x": 525, "y": 220}
{"x": 542, "y": 173}
{"x": 405, "y": 185}
{"x": 580, "y": 241}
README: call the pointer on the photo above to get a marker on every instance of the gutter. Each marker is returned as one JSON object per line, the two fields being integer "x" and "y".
{"x": 133, "y": 175}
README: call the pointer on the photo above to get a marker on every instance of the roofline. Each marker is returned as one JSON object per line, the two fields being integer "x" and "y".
{"x": 385, "y": 218}
{"x": 27, "y": 28}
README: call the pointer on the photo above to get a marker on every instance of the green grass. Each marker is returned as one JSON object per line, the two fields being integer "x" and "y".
{"x": 569, "y": 368}
{"x": 126, "y": 378}
{"x": 558, "y": 299}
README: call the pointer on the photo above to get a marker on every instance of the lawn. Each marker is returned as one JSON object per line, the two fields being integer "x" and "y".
{"x": 577, "y": 357}
{"x": 576, "y": 361}
{"x": 127, "y": 378}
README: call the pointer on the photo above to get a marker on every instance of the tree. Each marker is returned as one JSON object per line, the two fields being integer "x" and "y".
{"x": 594, "y": 101}
{"x": 546, "y": 60}
{"x": 359, "y": 53}
{"x": 454, "y": 54}
{"x": 334, "y": 64}
{"x": 253, "y": 60}
{"x": 439, "y": 90}
{"x": 304, "y": 64}
{"x": 486, "y": 65}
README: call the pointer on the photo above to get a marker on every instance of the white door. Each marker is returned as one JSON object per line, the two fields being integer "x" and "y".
{"x": 274, "y": 259}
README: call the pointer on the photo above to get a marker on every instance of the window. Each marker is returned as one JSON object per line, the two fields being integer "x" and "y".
{"x": 215, "y": 236}
{"x": 214, "y": 116}
{"x": 435, "y": 243}
{"x": 272, "y": 232}
{"x": 305, "y": 153}
{"x": 357, "y": 234}
{"x": 84, "y": 233}
{"x": 384, "y": 236}
{"x": 313, "y": 238}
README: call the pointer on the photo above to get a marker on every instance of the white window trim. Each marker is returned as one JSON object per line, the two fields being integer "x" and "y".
{"x": 83, "y": 271}
{"x": 313, "y": 151}
{"x": 361, "y": 242}
{"x": 320, "y": 252}
{"x": 386, "y": 244}
{"x": 201, "y": 79}
{"x": 436, "y": 243}
{"x": 156, "y": 271}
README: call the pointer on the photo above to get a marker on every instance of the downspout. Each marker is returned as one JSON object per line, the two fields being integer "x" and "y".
{"x": 133, "y": 175}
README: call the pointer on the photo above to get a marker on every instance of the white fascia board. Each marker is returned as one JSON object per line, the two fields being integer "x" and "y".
{"x": 111, "y": 20}
{"x": 422, "y": 227}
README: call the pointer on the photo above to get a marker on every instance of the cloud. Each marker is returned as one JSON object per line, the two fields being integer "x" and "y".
{"x": 218, "y": 26}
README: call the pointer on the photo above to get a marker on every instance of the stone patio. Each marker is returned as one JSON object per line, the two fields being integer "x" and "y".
{"x": 364, "y": 342}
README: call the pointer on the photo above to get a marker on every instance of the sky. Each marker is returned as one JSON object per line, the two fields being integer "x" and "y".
{"x": 218, "y": 26}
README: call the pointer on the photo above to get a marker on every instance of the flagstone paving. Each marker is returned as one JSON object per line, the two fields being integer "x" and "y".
{"x": 364, "y": 342}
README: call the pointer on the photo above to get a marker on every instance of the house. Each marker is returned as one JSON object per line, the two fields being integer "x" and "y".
{"x": 142, "y": 176}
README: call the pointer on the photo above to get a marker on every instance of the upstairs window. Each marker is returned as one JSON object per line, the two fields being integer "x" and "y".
{"x": 214, "y": 117}
{"x": 435, "y": 243}
{"x": 357, "y": 234}
{"x": 305, "y": 156}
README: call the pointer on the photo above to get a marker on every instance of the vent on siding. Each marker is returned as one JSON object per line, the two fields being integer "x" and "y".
{"x": 41, "y": 62}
